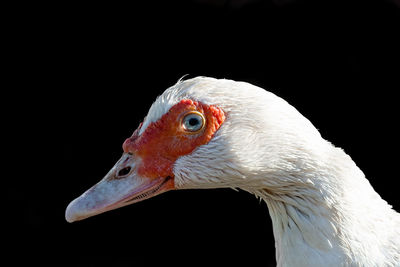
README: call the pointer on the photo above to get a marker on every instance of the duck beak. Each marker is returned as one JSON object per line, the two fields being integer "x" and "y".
{"x": 120, "y": 187}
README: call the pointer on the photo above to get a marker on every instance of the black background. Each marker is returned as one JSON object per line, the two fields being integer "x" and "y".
{"x": 84, "y": 76}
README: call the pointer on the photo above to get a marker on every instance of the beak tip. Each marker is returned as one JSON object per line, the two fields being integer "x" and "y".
{"x": 70, "y": 214}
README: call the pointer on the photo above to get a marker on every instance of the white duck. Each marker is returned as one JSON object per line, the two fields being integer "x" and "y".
{"x": 209, "y": 133}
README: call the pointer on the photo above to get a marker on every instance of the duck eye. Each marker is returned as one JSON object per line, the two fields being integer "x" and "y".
{"x": 193, "y": 122}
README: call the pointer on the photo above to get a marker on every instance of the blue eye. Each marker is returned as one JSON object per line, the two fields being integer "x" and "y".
{"x": 193, "y": 122}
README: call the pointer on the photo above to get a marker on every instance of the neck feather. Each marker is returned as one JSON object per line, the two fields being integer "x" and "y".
{"x": 334, "y": 219}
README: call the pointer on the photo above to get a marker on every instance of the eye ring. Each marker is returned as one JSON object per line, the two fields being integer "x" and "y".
{"x": 193, "y": 122}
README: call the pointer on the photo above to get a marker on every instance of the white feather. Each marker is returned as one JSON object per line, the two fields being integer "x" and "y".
{"x": 324, "y": 211}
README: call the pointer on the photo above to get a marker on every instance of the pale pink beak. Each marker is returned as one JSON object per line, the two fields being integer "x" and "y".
{"x": 120, "y": 187}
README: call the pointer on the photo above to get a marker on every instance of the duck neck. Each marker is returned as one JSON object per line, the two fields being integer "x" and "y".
{"x": 301, "y": 232}
{"x": 331, "y": 218}
{"x": 304, "y": 230}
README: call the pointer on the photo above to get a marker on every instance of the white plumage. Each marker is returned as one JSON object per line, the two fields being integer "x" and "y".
{"x": 324, "y": 211}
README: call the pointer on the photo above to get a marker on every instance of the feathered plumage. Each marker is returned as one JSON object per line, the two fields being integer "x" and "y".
{"x": 324, "y": 211}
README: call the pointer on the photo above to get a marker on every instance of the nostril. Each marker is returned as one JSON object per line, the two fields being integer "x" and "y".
{"x": 124, "y": 171}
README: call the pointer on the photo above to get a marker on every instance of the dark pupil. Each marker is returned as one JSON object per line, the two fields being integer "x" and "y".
{"x": 193, "y": 122}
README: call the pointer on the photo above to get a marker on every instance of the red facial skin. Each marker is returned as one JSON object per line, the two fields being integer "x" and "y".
{"x": 163, "y": 141}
